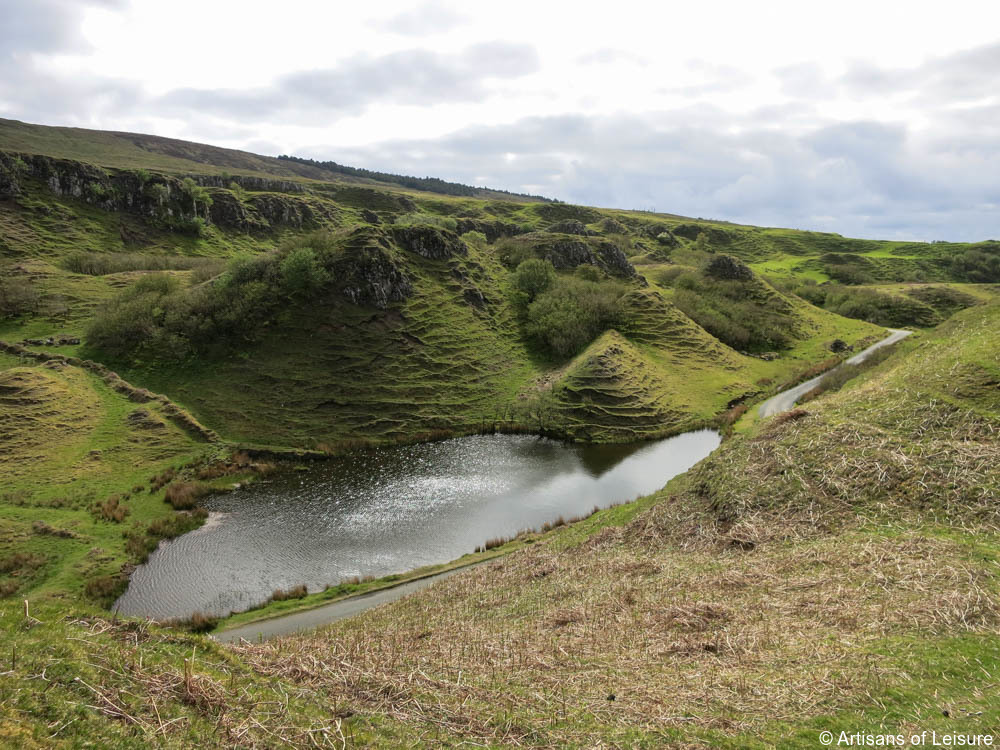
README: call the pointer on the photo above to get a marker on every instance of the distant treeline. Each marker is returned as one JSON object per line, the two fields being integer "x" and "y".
{"x": 430, "y": 184}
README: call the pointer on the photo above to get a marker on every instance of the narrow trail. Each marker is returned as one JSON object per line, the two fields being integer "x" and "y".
{"x": 786, "y": 399}
{"x": 309, "y": 619}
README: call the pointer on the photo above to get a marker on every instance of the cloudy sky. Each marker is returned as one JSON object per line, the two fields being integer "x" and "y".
{"x": 872, "y": 119}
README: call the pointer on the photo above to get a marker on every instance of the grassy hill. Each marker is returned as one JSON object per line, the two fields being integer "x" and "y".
{"x": 449, "y": 355}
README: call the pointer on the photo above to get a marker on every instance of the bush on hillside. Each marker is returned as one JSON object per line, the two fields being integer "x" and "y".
{"x": 572, "y": 312}
{"x": 158, "y": 318}
{"x": 531, "y": 278}
{"x": 737, "y": 311}
{"x": 301, "y": 272}
{"x": 978, "y": 265}
{"x": 17, "y": 297}
{"x": 419, "y": 219}
{"x": 513, "y": 252}
{"x": 101, "y": 264}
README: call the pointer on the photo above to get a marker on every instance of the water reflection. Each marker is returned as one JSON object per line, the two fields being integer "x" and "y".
{"x": 392, "y": 510}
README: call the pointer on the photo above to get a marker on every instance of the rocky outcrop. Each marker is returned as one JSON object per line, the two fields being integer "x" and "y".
{"x": 611, "y": 258}
{"x": 493, "y": 230}
{"x": 613, "y": 226}
{"x": 10, "y": 184}
{"x": 229, "y": 211}
{"x": 159, "y": 196}
{"x": 566, "y": 252}
{"x": 429, "y": 242}
{"x": 728, "y": 268}
{"x": 572, "y": 226}
{"x": 370, "y": 276}
{"x": 248, "y": 182}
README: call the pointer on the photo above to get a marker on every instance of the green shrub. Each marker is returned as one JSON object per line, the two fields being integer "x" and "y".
{"x": 978, "y": 265}
{"x": 101, "y": 264}
{"x": 880, "y": 308}
{"x": 238, "y": 192}
{"x": 573, "y": 312}
{"x": 745, "y": 315}
{"x": 531, "y": 278}
{"x": 475, "y": 240}
{"x": 301, "y": 272}
{"x": 512, "y": 252}
{"x": 17, "y": 297}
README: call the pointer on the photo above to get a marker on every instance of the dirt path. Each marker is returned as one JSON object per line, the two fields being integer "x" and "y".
{"x": 786, "y": 399}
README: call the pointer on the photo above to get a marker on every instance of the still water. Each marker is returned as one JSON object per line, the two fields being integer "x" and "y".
{"x": 391, "y": 510}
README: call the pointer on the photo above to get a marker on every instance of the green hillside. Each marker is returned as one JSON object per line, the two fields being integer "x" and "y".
{"x": 448, "y": 351}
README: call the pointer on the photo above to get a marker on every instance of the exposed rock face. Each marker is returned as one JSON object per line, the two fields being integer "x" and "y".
{"x": 659, "y": 232}
{"x": 572, "y": 226}
{"x": 10, "y": 186}
{"x": 371, "y": 217}
{"x": 259, "y": 184}
{"x": 161, "y": 196}
{"x": 475, "y": 297}
{"x": 667, "y": 239}
{"x": 430, "y": 242}
{"x": 493, "y": 230}
{"x": 728, "y": 268}
{"x": 370, "y": 276}
{"x": 613, "y": 260}
{"x": 566, "y": 253}
{"x": 228, "y": 211}
{"x": 613, "y": 226}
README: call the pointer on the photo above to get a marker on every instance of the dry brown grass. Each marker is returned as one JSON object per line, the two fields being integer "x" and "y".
{"x": 767, "y": 588}
{"x": 113, "y": 509}
{"x": 185, "y": 495}
{"x": 296, "y": 592}
{"x": 527, "y": 650}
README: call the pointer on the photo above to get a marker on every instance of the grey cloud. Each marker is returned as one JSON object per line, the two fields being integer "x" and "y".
{"x": 860, "y": 179}
{"x": 962, "y": 76}
{"x": 413, "y": 77}
{"x": 429, "y": 18}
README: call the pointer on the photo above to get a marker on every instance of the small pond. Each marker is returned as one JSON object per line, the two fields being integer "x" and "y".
{"x": 391, "y": 510}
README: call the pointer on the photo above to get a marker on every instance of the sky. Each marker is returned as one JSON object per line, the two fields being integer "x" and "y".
{"x": 875, "y": 119}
